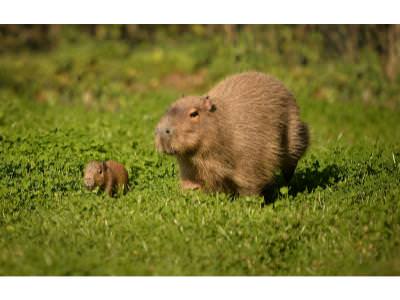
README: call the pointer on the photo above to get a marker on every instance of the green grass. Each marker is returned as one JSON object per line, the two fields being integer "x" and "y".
{"x": 58, "y": 110}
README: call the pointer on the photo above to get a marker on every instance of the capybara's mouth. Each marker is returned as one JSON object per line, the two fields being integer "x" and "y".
{"x": 164, "y": 147}
{"x": 170, "y": 151}
{"x": 89, "y": 186}
{"x": 166, "y": 150}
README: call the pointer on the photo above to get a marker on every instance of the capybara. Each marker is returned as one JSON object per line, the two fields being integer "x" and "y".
{"x": 235, "y": 138}
{"x": 108, "y": 175}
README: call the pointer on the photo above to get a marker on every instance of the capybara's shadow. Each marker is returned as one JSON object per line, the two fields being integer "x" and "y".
{"x": 307, "y": 179}
{"x": 312, "y": 177}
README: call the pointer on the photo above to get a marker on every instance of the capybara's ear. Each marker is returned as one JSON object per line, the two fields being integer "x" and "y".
{"x": 208, "y": 104}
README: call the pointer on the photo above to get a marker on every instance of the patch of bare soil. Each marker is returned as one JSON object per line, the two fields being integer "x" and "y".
{"x": 185, "y": 82}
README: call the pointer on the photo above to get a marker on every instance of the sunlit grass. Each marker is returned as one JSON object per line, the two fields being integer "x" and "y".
{"x": 58, "y": 110}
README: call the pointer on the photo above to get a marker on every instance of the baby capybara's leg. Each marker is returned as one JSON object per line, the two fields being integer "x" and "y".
{"x": 109, "y": 188}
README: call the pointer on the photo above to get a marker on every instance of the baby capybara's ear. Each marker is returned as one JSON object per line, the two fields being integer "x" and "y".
{"x": 208, "y": 104}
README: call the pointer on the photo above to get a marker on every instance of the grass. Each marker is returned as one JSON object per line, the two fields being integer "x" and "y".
{"x": 58, "y": 110}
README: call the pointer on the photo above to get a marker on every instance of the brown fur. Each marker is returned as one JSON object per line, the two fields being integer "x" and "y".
{"x": 109, "y": 176}
{"x": 246, "y": 128}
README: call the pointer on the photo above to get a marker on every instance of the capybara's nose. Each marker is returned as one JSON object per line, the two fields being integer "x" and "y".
{"x": 164, "y": 131}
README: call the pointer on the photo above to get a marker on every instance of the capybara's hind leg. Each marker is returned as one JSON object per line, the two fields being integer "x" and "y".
{"x": 298, "y": 140}
{"x": 269, "y": 193}
{"x": 288, "y": 169}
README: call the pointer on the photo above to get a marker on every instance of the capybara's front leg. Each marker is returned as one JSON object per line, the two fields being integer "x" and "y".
{"x": 189, "y": 185}
{"x": 188, "y": 175}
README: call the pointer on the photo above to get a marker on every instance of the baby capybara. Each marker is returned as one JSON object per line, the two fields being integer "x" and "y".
{"x": 109, "y": 176}
{"x": 236, "y": 137}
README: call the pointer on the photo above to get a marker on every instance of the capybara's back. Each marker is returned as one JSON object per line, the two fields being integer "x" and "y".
{"x": 267, "y": 133}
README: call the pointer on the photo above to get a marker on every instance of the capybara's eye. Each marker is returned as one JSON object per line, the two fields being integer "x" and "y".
{"x": 194, "y": 114}
{"x": 100, "y": 170}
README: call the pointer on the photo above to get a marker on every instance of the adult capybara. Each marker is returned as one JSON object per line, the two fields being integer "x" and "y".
{"x": 235, "y": 137}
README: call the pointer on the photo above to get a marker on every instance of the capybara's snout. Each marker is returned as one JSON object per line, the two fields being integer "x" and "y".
{"x": 164, "y": 132}
{"x": 163, "y": 136}
{"x": 88, "y": 182}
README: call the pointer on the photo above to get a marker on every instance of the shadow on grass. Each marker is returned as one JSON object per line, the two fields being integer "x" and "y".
{"x": 307, "y": 179}
{"x": 311, "y": 178}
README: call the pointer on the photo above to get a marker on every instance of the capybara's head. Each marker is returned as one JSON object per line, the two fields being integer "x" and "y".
{"x": 94, "y": 174}
{"x": 185, "y": 125}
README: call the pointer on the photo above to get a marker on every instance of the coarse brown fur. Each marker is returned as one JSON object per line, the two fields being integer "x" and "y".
{"x": 236, "y": 137}
{"x": 109, "y": 176}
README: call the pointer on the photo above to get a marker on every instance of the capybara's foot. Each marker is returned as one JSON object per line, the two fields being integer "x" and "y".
{"x": 190, "y": 185}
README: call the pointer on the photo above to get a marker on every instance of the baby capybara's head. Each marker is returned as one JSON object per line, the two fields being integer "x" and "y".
{"x": 185, "y": 125}
{"x": 94, "y": 174}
